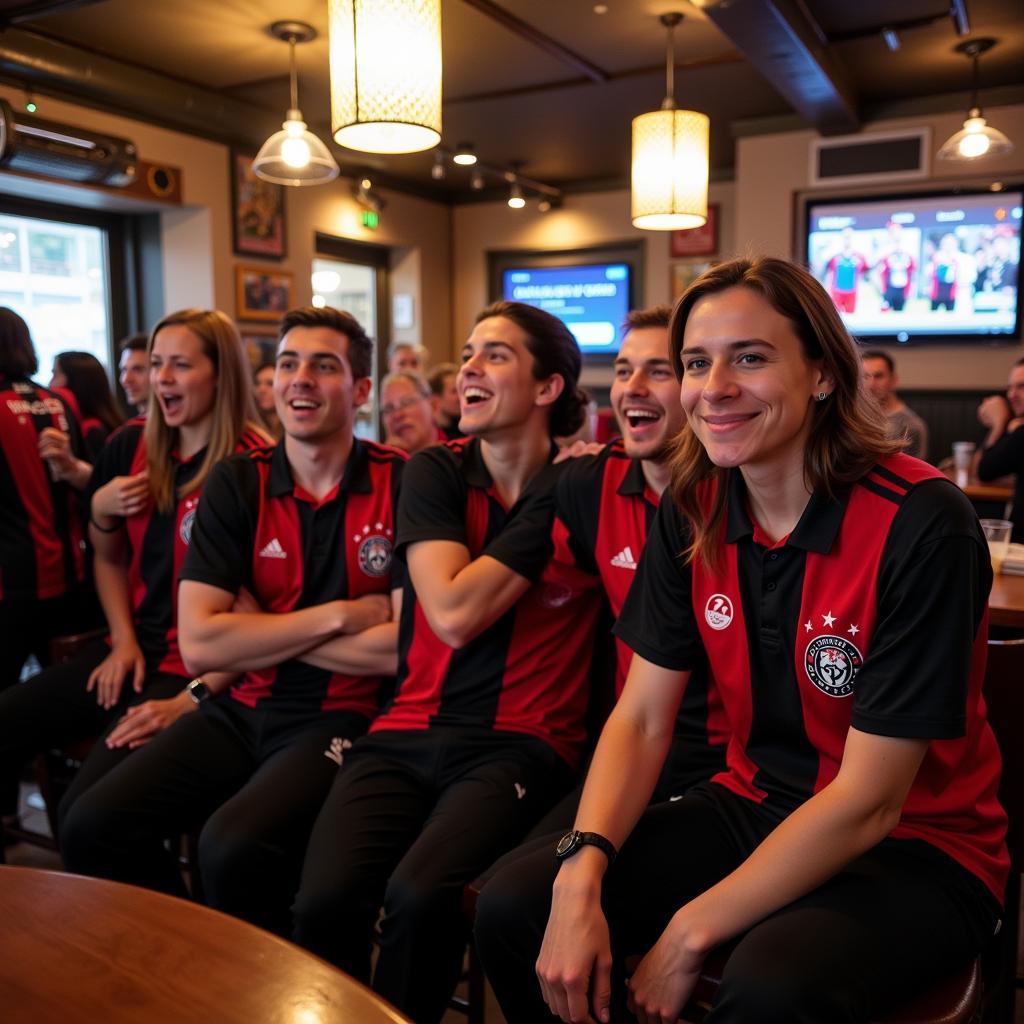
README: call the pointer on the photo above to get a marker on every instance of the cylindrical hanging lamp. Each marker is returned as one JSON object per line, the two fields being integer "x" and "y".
{"x": 385, "y": 74}
{"x": 670, "y": 159}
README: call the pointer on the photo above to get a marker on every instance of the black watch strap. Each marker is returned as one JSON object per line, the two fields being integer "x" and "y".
{"x": 574, "y": 841}
{"x": 198, "y": 690}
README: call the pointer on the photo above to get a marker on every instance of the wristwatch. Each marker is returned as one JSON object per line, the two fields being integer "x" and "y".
{"x": 573, "y": 841}
{"x": 198, "y": 690}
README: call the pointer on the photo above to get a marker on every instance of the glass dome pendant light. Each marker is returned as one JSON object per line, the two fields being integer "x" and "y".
{"x": 977, "y": 138}
{"x": 294, "y": 155}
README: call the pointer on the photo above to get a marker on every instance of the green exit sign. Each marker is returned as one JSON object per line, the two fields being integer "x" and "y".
{"x": 371, "y": 219}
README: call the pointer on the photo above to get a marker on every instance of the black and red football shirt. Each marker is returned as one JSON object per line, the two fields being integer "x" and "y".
{"x": 871, "y": 614}
{"x": 256, "y": 528}
{"x": 157, "y": 542}
{"x": 526, "y": 673}
{"x": 42, "y": 551}
{"x": 604, "y": 508}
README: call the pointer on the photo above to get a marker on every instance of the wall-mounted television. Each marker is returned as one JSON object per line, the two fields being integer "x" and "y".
{"x": 921, "y": 268}
{"x": 589, "y": 290}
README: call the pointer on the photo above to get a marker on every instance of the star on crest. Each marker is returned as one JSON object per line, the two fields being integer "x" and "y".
{"x": 853, "y": 630}
{"x": 808, "y": 625}
{"x": 829, "y": 618}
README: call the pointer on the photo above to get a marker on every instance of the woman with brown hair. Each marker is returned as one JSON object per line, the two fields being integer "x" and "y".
{"x": 853, "y": 848}
{"x": 145, "y": 489}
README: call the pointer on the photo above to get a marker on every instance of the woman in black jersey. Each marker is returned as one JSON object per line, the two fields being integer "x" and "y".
{"x": 144, "y": 490}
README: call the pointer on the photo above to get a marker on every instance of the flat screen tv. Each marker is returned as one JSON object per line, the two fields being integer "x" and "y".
{"x": 925, "y": 268}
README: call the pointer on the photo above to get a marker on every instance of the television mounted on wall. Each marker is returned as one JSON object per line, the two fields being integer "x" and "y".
{"x": 921, "y": 268}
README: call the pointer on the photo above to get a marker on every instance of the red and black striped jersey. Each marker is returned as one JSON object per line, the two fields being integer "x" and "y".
{"x": 871, "y": 614}
{"x": 526, "y": 673}
{"x": 604, "y": 508}
{"x": 42, "y": 551}
{"x": 256, "y": 528}
{"x": 157, "y": 542}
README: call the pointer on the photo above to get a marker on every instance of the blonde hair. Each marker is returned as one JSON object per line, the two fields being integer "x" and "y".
{"x": 848, "y": 434}
{"x": 234, "y": 410}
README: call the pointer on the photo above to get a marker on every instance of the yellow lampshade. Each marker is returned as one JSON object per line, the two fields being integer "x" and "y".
{"x": 385, "y": 74}
{"x": 670, "y": 170}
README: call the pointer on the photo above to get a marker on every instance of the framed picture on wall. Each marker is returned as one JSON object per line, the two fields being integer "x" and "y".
{"x": 260, "y": 343}
{"x": 684, "y": 273}
{"x": 702, "y": 241}
{"x": 257, "y": 211}
{"x": 262, "y": 294}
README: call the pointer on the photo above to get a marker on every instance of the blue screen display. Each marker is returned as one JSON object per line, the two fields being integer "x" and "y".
{"x": 592, "y": 301}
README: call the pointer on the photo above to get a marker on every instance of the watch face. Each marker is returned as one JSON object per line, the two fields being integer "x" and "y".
{"x": 567, "y": 844}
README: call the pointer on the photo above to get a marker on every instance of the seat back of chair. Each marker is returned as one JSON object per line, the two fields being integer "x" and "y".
{"x": 1004, "y": 695}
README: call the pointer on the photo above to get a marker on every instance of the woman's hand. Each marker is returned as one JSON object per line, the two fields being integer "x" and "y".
{"x": 576, "y": 957}
{"x": 664, "y": 980}
{"x": 109, "y": 675}
{"x": 141, "y": 722}
{"x": 122, "y": 496}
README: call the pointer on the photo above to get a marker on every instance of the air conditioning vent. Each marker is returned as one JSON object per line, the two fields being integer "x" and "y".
{"x": 59, "y": 151}
{"x": 875, "y": 157}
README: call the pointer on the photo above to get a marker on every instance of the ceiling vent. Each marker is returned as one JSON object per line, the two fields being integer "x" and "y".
{"x": 59, "y": 151}
{"x": 875, "y": 157}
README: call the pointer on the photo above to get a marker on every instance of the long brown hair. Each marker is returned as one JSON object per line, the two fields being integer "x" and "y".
{"x": 848, "y": 434}
{"x": 234, "y": 410}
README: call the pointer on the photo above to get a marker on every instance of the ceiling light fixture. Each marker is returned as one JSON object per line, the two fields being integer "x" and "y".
{"x": 670, "y": 159}
{"x": 437, "y": 172}
{"x": 515, "y": 196}
{"x": 385, "y": 74}
{"x": 977, "y": 138}
{"x": 476, "y": 181}
{"x": 294, "y": 155}
{"x": 464, "y": 155}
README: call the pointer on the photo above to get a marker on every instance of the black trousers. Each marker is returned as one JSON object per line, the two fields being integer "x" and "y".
{"x": 257, "y": 778}
{"x": 895, "y": 920}
{"x": 53, "y": 708}
{"x": 411, "y": 818}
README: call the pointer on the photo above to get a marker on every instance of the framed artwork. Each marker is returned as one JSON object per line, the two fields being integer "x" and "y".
{"x": 257, "y": 211}
{"x": 702, "y": 241}
{"x": 260, "y": 343}
{"x": 684, "y": 273}
{"x": 262, "y": 294}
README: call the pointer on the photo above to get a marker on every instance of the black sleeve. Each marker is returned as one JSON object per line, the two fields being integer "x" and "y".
{"x": 94, "y": 440}
{"x": 115, "y": 458}
{"x": 433, "y": 501}
{"x": 1004, "y": 457}
{"x": 933, "y": 587}
{"x": 657, "y": 619}
{"x": 578, "y": 505}
{"x": 224, "y": 532}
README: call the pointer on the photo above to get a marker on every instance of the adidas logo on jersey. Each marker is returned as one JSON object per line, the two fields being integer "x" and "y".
{"x": 624, "y": 559}
{"x": 274, "y": 550}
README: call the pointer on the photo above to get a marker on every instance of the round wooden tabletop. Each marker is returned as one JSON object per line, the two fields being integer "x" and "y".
{"x": 1006, "y": 601}
{"x": 79, "y": 950}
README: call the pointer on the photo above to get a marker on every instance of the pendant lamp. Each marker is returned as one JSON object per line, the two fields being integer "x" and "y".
{"x": 977, "y": 138}
{"x": 670, "y": 159}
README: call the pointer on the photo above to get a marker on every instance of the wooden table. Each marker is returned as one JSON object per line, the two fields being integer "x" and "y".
{"x": 977, "y": 491}
{"x": 79, "y": 950}
{"x": 1006, "y": 602}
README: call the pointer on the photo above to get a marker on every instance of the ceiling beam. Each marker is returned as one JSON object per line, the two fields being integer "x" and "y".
{"x": 30, "y": 11}
{"x": 533, "y": 35}
{"x": 781, "y": 39}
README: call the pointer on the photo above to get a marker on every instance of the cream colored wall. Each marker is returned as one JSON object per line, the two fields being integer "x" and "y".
{"x": 198, "y": 261}
{"x": 772, "y": 169}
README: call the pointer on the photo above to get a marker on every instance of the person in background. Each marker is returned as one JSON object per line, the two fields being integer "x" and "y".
{"x": 407, "y": 409}
{"x": 133, "y": 372}
{"x": 879, "y": 373}
{"x": 42, "y": 561}
{"x": 302, "y": 534}
{"x": 854, "y": 847}
{"x": 1003, "y": 448}
{"x": 144, "y": 492}
{"x": 263, "y": 392}
{"x": 442, "y": 380}
{"x": 844, "y": 271}
{"x": 404, "y": 355}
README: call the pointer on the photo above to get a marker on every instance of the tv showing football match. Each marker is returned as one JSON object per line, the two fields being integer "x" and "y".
{"x": 921, "y": 268}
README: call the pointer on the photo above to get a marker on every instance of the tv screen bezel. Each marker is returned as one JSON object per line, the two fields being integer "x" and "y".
{"x": 629, "y": 253}
{"x": 810, "y": 200}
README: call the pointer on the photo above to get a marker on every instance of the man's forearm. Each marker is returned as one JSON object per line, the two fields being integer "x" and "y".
{"x": 372, "y": 652}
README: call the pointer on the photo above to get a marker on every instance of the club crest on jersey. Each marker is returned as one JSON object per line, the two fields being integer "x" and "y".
{"x": 374, "y": 549}
{"x": 832, "y": 664}
{"x": 187, "y": 522}
{"x": 554, "y": 595}
{"x": 718, "y": 611}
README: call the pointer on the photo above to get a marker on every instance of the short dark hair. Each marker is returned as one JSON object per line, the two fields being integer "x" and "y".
{"x": 877, "y": 353}
{"x": 134, "y": 343}
{"x": 1019, "y": 362}
{"x": 360, "y": 345}
{"x": 437, "y": 374}
{"x": 554, "y": 350}
{"x": 17, "y": 353}
{"x": 653, "y": 316}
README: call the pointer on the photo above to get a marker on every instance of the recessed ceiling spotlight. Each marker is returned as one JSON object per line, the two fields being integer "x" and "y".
{"x": 600, "y": 8}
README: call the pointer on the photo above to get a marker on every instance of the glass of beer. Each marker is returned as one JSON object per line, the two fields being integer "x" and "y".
{"x": 997, "y": 533}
